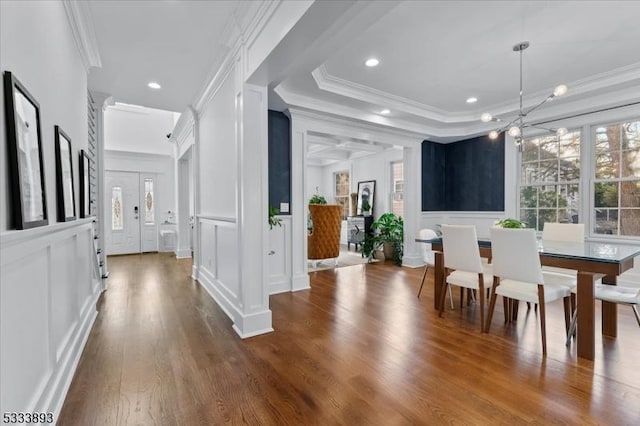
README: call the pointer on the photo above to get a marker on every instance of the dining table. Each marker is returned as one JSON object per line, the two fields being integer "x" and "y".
{"x": 591, "y": 259}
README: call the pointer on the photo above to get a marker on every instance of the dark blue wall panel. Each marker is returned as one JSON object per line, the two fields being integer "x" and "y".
{"x": 279, "y": 159}
{"x": 463, "y": 176}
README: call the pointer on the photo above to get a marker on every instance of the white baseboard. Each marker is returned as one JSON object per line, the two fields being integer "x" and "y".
{"x": 412, "y": 261}
{"x": 183, "y": 254}
{"x": 300, "y": 282}
{"x": 279, "y": 286}
{"x": 194, "y": 272}
{"x": 246, "y": 325}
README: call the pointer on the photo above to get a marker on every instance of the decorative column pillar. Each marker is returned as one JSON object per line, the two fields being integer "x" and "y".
{"x": 412, "y": 165}
{"x": 299, "y": 267}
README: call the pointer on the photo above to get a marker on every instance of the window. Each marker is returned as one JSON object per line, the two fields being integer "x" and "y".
{"x": 397, "y": 188}
{"x": 550, "y": 180}
{"x": 148, "y": 202}
{"x": 616, "y": 184}
{"x": 117, "y": 222}
{"x": 341, "y": 180}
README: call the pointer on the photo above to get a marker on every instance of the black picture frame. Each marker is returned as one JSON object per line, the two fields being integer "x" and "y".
{"x": 65, "y": 193}
{"x": 24, "y": 150}
{"x": 366, "y": 190}
{"x": 85, "y": 185}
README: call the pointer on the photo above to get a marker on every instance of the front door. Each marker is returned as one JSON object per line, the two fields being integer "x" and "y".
{"x": 130, "y": 203}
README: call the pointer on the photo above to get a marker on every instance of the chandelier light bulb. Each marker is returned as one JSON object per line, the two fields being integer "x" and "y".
{"x": 562, "y": 131}
{"x": 560, "y": 90}
{"x": 493, "y": 134}
{"x": 514, "y": 131}
{"x": 486, "y": 117}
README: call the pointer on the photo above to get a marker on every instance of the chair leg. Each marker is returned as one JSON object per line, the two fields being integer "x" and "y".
{"x": 481, "y": 294}
{"x": 450, "y": 295}
{"x": 514, "y": 309}
{"x": 635, "y": 311}
{"x": 543, "y": 320}
{"x": 505, "y": 307}
{"x": 492, "y": 303}
{"x": 442, "y": 296}
{"x": 567, "y": 313}
{"x": 426, "y": 268}
{"x": 572, "y": 327}
{"x": 461, "y": 297}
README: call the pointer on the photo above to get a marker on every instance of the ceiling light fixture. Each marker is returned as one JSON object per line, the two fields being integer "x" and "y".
{"x": 372, "y": 62}
{"x": 154, "y": 85}
{"x": 515, "y": 127}
{"x": 385, "y": 111}
{"x": 472, "y": 100}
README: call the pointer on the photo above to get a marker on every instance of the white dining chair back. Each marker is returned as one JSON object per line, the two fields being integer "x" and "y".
{"x": 460, "y": 246}
{"x": 568, "y": 232}
{"x": 515, "y": 255}
{"x": 428, "y": 256}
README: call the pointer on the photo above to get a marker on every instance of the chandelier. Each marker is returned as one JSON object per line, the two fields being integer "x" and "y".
{"x": 515, "y": 127}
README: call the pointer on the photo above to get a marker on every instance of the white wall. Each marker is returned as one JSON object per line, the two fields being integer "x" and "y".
{"x": 315, "y": 179}
{"x": 218, "y": 162}
{"x": 49, "y": 285}
{"x": 138, "y": 129}
{"x": 47, "y": 63}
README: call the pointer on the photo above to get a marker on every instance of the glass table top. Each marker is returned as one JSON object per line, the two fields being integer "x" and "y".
{"x": 589, "y": 250}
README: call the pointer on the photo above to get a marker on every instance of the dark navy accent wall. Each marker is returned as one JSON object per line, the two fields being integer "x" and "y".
{"x": 433, "y": 177}
{"x": 279, "y": 159}
{"x": 472, "y": 178}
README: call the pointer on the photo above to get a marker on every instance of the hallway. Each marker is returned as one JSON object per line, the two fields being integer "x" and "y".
{"x": 359, "y": 348}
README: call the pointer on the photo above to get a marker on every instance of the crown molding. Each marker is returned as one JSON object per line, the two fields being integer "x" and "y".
{"x": 81, "y": 22}
{"x": 183, "y": 127}
{"x": 246, "y": 18}
{"x": 102, "y": 100}
{"x": 627, "y": 75}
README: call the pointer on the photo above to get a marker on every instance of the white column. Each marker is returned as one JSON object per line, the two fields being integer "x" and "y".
{"x": 195, "y": 176}
{"x": 412, "y": 165}
{"x": 252, "y": 198}
{"x": 299, "y": 267}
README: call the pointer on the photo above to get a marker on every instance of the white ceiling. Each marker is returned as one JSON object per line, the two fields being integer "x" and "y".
{"x": 435, "y": 54}
{"x": 324, "y": 149}
{"x": 174, "y": 43}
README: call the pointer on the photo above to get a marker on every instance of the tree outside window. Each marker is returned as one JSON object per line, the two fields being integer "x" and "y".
{"x": 616, "y": 185}
{"x": 341, "y": 182}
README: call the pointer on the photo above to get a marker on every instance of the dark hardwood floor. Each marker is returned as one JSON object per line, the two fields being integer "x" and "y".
{"x": 357, "y": 349}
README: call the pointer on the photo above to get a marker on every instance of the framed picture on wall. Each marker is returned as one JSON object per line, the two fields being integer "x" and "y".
{"x": 366, "y": 193}
{"x": 24, "y": 150}
{"x": 85, "y": 185}
{"x": 66, "y": 201}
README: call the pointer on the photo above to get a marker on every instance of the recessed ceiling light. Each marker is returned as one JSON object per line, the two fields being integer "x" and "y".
{"x": 372, "y": 62}
{"x": 472, "y": 100}
{"x": 385, "y": 111}
{"x": 154, "y": 85}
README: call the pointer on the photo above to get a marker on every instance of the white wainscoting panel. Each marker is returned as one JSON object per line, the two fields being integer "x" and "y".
{"x": 279, "y": 259}
{"x": 48, "y": 295}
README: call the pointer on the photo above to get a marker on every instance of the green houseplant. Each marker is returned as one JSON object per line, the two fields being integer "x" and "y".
{"x": 317, "y": 199}
{"x": 387, "y": 232}
{"x": 510, "y": 223}
{"x": 366, "y": 208}
{"x": 273, "y": 219}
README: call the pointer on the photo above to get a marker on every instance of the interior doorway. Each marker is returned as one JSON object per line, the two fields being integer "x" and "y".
{"x": 131, "y": 225}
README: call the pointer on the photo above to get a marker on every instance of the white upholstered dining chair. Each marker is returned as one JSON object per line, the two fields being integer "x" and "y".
{"x": 462, "y": 257}
{"x": 428, "y": 257}
{"x": 518, "y": 275}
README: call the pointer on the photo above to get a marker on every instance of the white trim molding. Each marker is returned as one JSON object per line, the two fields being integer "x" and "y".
{"x": 81, "y": 22}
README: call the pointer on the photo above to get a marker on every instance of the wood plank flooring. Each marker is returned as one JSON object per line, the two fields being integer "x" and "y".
{"x": 357, "y": 349}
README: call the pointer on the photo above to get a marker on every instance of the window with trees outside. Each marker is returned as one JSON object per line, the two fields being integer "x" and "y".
{"x": 616, "y": 184}
{"x": 550, "y": 180}
{"x": 341, "y": 181}
{"x": 397, "y": 188}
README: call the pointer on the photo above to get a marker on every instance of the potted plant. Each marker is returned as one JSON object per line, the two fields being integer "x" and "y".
{"x": 317, "y": 199}
{"x": 273, "y": 219}
{"x": 388, "y": 233}
{"x": 510, "y": 223}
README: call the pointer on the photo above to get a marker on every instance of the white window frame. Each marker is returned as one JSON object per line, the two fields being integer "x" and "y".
{"x": 592, "y": 181}
{"x": 392, "y": 184}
